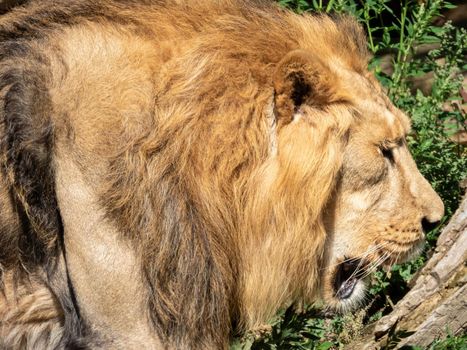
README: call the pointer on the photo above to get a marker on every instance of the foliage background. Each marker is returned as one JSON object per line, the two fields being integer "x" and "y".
{"x": 407, "y": 48}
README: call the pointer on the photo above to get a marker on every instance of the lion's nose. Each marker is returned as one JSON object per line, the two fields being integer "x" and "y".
{"x": 432, "y": 206}
{"x": 428, "y": 225}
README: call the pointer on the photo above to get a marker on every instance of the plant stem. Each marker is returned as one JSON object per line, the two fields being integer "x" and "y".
{"x": 366, "y": 14}
{"x": 402, "y": 36}
{"x": 399, "y": 65}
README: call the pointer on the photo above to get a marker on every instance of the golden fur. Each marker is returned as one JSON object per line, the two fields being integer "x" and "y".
{"x": 181, "y": 168}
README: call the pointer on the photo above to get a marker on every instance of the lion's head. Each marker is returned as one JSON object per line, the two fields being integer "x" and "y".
{"x": 381, "y": 207}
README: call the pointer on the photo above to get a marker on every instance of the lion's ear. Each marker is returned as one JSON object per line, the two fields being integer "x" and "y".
{"x": 302, "y": 78}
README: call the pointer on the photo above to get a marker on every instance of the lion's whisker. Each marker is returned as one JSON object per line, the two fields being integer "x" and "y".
{"x": 376, "y": 264}
{"x": 369, "y": 251}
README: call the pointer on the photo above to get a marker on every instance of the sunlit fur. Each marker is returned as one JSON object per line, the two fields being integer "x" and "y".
{"x": 174, "y": 169}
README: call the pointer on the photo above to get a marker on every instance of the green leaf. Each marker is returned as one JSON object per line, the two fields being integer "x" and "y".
{"x": 325, "y": 346}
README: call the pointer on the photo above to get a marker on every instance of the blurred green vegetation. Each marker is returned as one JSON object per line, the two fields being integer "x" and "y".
{"x": 395, "y": 30}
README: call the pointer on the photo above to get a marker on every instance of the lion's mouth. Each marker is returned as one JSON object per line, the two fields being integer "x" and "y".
{"x": 348, "y": 274}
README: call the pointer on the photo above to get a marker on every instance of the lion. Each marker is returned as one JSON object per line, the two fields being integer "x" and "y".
{"x": 174, "y": 172}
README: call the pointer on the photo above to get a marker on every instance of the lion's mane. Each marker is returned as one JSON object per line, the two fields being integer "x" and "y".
{"x": 218, "y": 188}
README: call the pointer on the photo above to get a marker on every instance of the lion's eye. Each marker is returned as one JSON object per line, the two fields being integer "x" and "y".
{"x": 388, "y": 154}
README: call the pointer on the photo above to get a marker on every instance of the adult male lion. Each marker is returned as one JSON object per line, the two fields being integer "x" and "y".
{"x": 172, "y": 170}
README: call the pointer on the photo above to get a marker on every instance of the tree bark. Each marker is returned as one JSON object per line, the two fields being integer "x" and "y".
{"x": 436, "y": 305}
